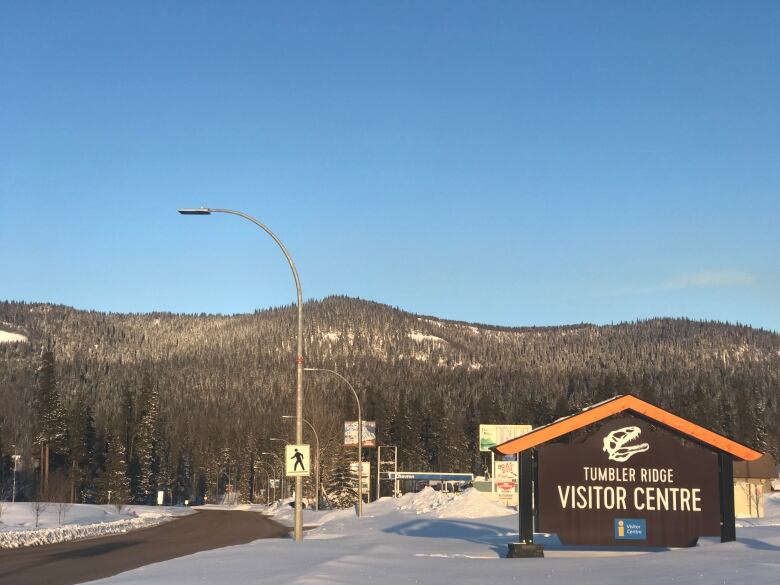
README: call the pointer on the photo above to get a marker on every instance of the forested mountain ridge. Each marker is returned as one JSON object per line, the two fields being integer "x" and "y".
{"x": 193, "y": 399}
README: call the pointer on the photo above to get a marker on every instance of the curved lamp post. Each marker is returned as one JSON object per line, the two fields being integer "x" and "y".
{"x": 281, "y": 462}
{"x": 360, "y": 435}
{"x": 316, "y": 461}
{"x": 257, "y": 468}
{"x": 270, "y": 472}
{"x": 298, "y": 358}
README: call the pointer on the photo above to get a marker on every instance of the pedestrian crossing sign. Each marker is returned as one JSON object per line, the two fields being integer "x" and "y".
{"x": 296, "y": 459}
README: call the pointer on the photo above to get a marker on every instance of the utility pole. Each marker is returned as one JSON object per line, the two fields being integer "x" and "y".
{"x": 16, "y": 459}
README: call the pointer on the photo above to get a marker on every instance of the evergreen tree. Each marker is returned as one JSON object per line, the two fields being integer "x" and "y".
{"x": 52, "y": 428}
{"x": 51, "y": 432}
{"x": 183, "y": 485}
{"x": 146, "y": 440}
{"x": 84, "y": 452}
{"x": 758, "y": 414}
{"x": 114, "y": 477}
{"x": 340, "y": 486}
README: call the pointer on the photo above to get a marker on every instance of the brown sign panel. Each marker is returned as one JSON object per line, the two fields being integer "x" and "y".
{"x": 628, "y": 483}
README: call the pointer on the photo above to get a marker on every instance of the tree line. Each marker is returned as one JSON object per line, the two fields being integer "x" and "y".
{"x": 134, "y": 404}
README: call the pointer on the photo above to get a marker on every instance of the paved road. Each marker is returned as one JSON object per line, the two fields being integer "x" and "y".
{"x": 76, "y": 562}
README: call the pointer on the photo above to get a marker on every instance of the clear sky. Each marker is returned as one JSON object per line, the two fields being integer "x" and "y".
{"x": 515, "y": 163}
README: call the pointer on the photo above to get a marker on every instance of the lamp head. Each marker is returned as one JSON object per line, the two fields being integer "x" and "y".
{"x": 195, "y": 211}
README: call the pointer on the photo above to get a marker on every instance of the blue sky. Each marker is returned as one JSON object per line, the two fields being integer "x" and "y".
{"x": 517, "y": 163}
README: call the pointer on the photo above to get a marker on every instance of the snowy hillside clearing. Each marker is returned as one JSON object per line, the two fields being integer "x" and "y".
{"x": 421, "y": 337}
{"x": 17, "y": 523}
{"x": 8, "y": 337}
{"x": 440, "y": 539}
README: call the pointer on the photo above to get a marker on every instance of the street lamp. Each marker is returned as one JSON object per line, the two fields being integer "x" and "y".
{"x": 16, "y": 459}
{"x": 316, "y": 461}
{"x": 281, "y": 475}
{"x": 270, "y": 472}
{"x": 257, "y": 468}
{"x": 360, "y": 435}
{"x": 298, "y": 358}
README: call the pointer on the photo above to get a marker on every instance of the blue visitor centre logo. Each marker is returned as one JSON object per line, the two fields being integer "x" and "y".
{"x": 630, "y": 529}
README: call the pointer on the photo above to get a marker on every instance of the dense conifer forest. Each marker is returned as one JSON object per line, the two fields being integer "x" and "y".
{"x": 136, "y": 403}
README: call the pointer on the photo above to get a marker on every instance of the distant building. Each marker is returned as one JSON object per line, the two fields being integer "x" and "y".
{"x": 752, "y": 480}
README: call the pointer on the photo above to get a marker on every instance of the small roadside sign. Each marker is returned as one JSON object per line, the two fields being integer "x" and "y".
{"x": 296, "y": 460}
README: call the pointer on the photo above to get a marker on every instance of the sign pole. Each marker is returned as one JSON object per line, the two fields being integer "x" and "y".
{"x": 526, "y": 547}
{"x": 728, "y": 530}
{"x": 526, "y": 512}
{"x": 492, "y": 473}
{"x": 378, "y": 468}
{"x": 396, "y": 485}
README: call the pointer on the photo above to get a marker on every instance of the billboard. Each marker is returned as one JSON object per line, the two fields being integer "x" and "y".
{"x": 365, "y": 473}
{"x": 351, "y": 433}
{"x": 506, "y": 479}
{"x": 629, "y": 482}
{"x": 492, "y": 435}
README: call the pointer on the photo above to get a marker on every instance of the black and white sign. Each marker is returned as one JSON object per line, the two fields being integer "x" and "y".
{"x": 296, "y": 460}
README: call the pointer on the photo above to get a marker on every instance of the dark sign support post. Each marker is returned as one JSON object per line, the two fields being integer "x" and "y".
{"x": 526, "y": 547}
{"x": 728, "y": 529}
{"x": 526, "y": 489}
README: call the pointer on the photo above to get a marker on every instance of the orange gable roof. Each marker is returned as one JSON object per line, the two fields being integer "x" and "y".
{"x": 618, "y": 404}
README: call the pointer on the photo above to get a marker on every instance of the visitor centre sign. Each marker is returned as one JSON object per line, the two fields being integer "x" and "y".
{"x": 625, "y": 472}
{"x": 629, "y": 473}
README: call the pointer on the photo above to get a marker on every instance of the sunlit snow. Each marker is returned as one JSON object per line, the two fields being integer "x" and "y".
{"x": 437, "y": 539}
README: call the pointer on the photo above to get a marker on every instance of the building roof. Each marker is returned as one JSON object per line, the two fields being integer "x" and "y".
{"x": 762, "y": 468}
{"x": 618, "y": 404}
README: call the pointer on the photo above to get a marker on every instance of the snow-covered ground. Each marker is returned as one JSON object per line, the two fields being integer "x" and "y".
{"x": 771, "y": 515}
{"x": 17, "y": 522}
{"x": 436, "y": 539}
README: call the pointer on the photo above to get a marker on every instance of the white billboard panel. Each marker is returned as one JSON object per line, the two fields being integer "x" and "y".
{"x": 365, "y": 473}
{"x": 506, "y": 479}
{"x": 351, "y": 433}
{"x": 492, "y": 435}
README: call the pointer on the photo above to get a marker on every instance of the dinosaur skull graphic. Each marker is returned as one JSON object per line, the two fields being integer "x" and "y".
{"x": 615, "y": 444}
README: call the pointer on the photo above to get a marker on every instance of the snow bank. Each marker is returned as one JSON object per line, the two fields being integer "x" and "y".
{"x": 18, "y": 538}
{"x": 474, "y": 504}
{"x": 467, "y": 504}
{"x": 17, "y": 524}
{"x": 428, "y": 502}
